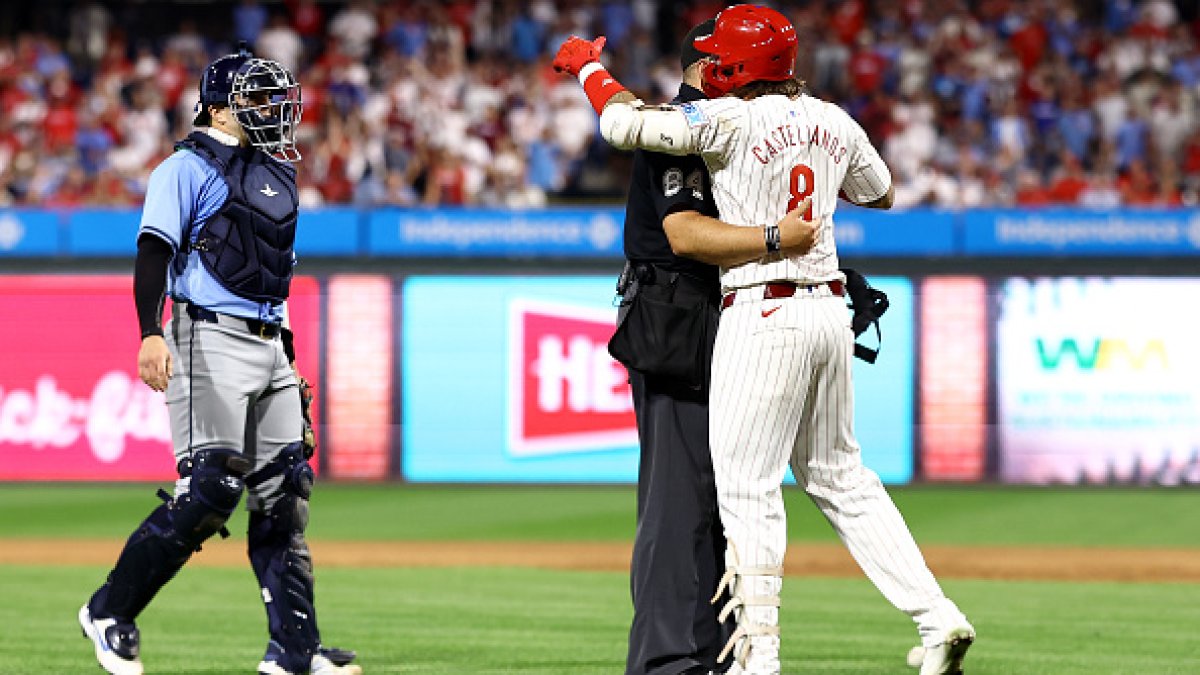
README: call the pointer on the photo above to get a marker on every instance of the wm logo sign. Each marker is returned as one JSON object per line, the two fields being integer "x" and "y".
{"x": 1102, "y": 354}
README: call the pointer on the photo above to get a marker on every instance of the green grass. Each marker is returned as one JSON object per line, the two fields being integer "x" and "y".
{"x": 494, "y": 620}
{"x": 937, "y": 515}
{"x": 524, "y": 621}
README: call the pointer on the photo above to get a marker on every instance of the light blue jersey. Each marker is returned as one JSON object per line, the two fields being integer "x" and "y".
{"x": 185, "y": 189}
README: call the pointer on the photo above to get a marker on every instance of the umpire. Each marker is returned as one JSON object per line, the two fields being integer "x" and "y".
{"x": 217, "y": 232}
{"x": 665, "y": 337}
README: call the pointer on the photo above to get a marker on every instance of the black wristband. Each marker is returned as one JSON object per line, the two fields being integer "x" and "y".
{"x": 771, "y": 237}
{"x": 289, "y": 345}
{"x": 152, "y": 331}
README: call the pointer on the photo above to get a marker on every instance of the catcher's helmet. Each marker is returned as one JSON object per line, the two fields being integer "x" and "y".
{"x": 748, "y": 43}
{"x": 263, "y": 96}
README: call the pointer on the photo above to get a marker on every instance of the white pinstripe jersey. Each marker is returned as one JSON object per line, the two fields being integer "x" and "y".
{"x": 765, "y": 155}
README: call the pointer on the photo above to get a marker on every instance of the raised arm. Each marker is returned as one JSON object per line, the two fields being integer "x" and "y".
{"x": 624, "y": 121}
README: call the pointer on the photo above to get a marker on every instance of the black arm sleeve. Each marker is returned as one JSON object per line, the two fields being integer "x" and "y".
{"x": 150, "y": 282}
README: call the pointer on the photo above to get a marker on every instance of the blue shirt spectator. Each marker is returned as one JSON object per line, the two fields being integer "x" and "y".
{"x": 527, "y": 36}
{"x": 975, "y": 99}
{"x": 1119, "y": 15}
{"x": 1187, "y": 70}
{"x": 1045, "y": 115}
{"x": 617, "y": 19}
{"x": 1077, "y": 128}
{"x": 407, "y": 37}
{"x": 543, "y": 169}
{"x": 1131, "y": 141}
{"x": 93, "y": 143}
{"x": 249, "y": 19}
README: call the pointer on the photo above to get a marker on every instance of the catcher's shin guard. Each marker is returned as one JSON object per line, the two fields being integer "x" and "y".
{"x": 282, "y": 563}
{"x": 166, "y": 539}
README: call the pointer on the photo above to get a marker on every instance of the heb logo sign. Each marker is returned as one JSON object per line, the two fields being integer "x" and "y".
{"x": 568, "y": 394}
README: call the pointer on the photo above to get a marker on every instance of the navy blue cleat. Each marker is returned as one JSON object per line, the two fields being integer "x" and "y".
{"x": 117, "y": 644}
{"x": 327, "y": 661}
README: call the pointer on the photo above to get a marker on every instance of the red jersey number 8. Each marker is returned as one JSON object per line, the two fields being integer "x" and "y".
{"x": 798, "y": 191}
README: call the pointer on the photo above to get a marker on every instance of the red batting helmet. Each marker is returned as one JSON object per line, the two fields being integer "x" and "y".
{"x": 749, "y": 43}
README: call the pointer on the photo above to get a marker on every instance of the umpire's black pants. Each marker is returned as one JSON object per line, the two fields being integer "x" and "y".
{"x": 679, "y": 552}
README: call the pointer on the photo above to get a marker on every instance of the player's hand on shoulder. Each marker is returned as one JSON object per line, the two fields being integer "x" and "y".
{"x": 797, "y": 235}
{"x": 154, "y": 362}
{"x": 575, "y": 53}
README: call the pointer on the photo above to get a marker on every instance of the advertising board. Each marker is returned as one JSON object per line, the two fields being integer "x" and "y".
{"x": 1096, "y": 381}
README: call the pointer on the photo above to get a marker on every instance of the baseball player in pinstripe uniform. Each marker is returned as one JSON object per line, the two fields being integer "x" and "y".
{"x": 781, "y": 387}
{"x": 217, "y": 232}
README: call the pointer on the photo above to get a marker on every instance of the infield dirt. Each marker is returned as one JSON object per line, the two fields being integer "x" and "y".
{"x": 975, "y": 562}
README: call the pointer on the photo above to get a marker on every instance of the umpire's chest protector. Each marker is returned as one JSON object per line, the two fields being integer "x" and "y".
{"x": 248, "y": 244}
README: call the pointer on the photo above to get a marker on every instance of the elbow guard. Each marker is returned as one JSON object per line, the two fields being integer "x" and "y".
{"x": 619, "y": 126}
{"x": 627, "y": 126}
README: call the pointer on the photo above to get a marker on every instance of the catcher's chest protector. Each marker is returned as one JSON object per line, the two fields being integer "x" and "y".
{"x": 248, "y": 244}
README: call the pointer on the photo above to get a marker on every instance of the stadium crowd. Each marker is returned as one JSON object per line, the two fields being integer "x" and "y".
{"x": 986, "y": 102}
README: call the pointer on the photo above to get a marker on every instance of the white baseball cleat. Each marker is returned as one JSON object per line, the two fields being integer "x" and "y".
{"x": 946, "y": 657}
{"x": 116, "y": 644}
{"x": 320, "y": 666}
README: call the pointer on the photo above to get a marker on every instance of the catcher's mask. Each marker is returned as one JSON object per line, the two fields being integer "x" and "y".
{"x": 265, "y": 99}
{"x": 748, "y": 43}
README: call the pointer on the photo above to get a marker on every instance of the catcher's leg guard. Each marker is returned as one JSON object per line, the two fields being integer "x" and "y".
{"x": 172, "y": 532}
{"x": 282, "y": 563}
{"x": 754, "y": 602}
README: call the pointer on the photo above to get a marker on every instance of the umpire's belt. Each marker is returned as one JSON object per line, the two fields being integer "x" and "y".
{"x": 780, "y": 289}
{"x": 262, "y": 329}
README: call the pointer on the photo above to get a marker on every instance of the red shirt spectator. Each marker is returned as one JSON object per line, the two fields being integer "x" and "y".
{"x": 1066, "y": 189}
{"x": 1191, "y": 155}
{"x": 306, "y": 18}
{"x": 447, "y": 180}
{"x": 1136, "y": 187}
{"x": 59, "y": 125}
{"x": 867, "y": 68}
{"x": 847, "y": 20}
{"x": 1030, "y": 191}
{"x": 1070, "y": 183}
{"x": 1029, "y": 43}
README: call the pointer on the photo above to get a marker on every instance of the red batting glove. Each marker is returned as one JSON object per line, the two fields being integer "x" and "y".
{"x": 575, "y": 53}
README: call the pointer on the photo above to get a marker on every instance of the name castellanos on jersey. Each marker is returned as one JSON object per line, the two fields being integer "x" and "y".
{"x": 790, "y": 135}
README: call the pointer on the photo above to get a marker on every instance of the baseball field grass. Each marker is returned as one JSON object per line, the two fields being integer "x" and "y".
{"x": 477, "y": 617}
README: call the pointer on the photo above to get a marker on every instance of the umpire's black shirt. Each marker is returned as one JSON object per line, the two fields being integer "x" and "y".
{"x": 661, "y": 185}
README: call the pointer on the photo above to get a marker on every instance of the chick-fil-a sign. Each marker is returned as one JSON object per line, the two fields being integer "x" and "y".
{"x": 71, "y": 404}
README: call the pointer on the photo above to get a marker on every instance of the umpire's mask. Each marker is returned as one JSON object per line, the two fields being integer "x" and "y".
{"x": 265, "y": 100}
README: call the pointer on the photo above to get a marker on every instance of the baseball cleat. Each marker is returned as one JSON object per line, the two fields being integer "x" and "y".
{"x": 336, "y": 655}
{"x": 117, "y": 644}
{"x": 946, "y": 658}
{"x": 323, "y": 663}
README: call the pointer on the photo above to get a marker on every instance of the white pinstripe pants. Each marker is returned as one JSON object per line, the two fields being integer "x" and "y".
{"x": 782, "y": 393}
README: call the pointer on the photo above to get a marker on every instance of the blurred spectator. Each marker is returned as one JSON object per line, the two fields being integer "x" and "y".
{"x": 1069, "y": 180}
{"x": 280, "y": 42}
{"x": 1136, "y": 187}
{"x": 1131, "y": 139}
{"x": 972, "y": 103}
{"x": 355, "y": 28}
{"x": 249, "y": 19}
